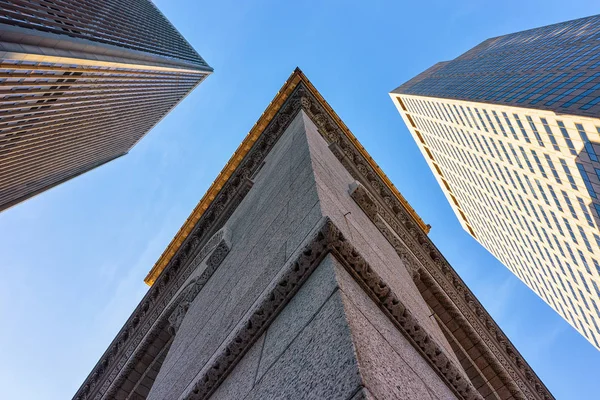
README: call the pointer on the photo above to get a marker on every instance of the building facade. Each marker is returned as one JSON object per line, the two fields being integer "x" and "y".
{"x": 80, "y": 83}
{"x": 304, "y": 274}
{"x": 511, "y": 131}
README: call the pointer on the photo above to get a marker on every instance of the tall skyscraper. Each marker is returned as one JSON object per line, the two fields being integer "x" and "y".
{"x": 81, "y": 81}
{"x": 511, "y": 131}
{"x": 304, "y": 274}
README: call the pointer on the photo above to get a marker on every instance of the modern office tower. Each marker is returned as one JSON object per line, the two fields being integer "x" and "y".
{"x": 304, "y": 274}
{"x": 81, "y": 81}
{"x": 510, "y": 130}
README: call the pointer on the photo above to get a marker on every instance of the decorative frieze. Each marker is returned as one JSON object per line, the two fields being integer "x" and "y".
{"x": 151, "y": 317}
{"x": 427, "y": 264}
{"x": 327, "y": 238}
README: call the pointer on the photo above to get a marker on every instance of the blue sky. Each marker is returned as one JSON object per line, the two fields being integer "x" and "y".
{"x": 73, "y": 259}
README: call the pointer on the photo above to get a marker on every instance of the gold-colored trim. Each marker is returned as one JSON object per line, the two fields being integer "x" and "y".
{"x": 235, "y": 160}
{"x": 41, "y": 58}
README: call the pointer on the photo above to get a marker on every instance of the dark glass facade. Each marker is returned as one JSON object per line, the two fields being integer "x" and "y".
{"x": 80, "y": 83}
{"x": 132, "y": 24}
{"x": 555, "y": 67}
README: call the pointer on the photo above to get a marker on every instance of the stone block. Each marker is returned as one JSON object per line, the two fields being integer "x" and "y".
{"x": 388, "y": 361}
{"x": 298, "y": 313}
{"x": 321, "y": 353}
{"x": 241, "y": 380}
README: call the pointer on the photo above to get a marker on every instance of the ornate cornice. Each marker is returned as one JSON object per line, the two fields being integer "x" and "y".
{"x": 269, "y": 115}
{"x": 327, "y": 238}
{"x": 149, "y": 318}
{"x": 426, "y": 263}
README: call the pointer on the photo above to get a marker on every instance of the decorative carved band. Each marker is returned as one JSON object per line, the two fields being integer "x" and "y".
{"x": 427, "y": 264}
{"x": 140, "y": 337}
{"x": 185, "y": 298}
{"x": 327, "y": 238}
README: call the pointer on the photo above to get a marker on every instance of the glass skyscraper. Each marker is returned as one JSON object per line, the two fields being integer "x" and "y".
{"x": 511, "y": 131}
{"x": 81, "y": 81}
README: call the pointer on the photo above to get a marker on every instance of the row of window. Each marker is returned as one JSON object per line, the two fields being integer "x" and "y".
{"x": 447, "y": 143}
{"x": 472, "y": 183}
{"x": 465, "y": 116}
{"x": 461, "y": 170}
{"x": 556, "y": 34}
{"x": 515, "y": 256}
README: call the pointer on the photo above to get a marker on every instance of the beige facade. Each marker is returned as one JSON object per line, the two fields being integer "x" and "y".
{"x": 524, "y": 183}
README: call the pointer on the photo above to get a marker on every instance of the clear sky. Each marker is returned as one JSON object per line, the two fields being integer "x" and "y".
{"x": 73, "y": 259}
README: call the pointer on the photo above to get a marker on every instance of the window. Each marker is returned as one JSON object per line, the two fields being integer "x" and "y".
{"x": 586, "y": 142}
{"x": 587, "y": 215}
{"x": 573, "y": 237}
{"x": 539, "y": 164}
{"x": 512, "y": 130}
{"x": 569, "y": 204}
{"x": 597, "y": 207}
{"x": 585, "y": 239}
{"x": 526, "y": 159}
{"x": 521, "y": 128}
{"x": 530, "y": 186}
{"x": 459, "y": 116}
{"x": 541, "y": 189}
{"x": 510, "y": 161}
{"x": 487, "y": 116}
{"x": 473, "y": 118}
{"x": 481, "y": 119}
{"x": 514, "y": 153}
{"x": 568, "y": 247}
{"x": 559, "y": 246}
{"x": 466, "y": 118}
{"x": 550, "y": 134}
{"x": 535, "y": 131}
{"x": 554, "y": 172}
{"x": 586, "y": 180}
{"x": 562, "y": 128}
{"x": 499, "y": 123}
{"x": 568, "y": 173}
{"x": 555, "y": 198}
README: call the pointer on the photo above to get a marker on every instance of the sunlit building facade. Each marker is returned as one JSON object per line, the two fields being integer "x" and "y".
{"x": 511, "y": 131}
{"x": 80, "y": 83}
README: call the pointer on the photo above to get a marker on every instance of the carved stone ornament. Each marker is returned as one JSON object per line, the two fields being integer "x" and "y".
{"x": 327, "y": 238}
{"x": 182, "y": 264}
{"x": 427, "y": 264}
{"x": 152, "y": 316}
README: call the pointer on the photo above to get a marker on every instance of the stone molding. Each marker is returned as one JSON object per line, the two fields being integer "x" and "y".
{"x": 178, "y": 309}
{"x": 427, "y": 264}
{"x": 325, "y": 239}
{"x": 288, "y": 90}
{"x": 149, "y": 318}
